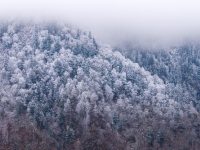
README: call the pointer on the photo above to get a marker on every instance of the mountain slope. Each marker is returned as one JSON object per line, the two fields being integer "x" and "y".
{"x": 77, "y": 94}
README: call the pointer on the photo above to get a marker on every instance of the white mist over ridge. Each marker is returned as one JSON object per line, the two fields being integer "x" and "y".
{"x": 152, "y": 22}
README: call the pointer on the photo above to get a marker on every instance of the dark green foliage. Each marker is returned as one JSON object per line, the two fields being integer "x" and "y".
{"x": 20, "y": 65}
{"x": 58, "y": 67}
{"x": 28, "y": 82}
{"x": 198, "y": 95}
{"x": 47, "y": 44}
{"x": 78, "y": 34}
{"x": 86, "y": 67}
{"x": 160, "y": 137}
{"x": 133, "y": 136}
{"x": 95, "y": 43}
{"x": 6, "y": 62}
{"x": 61, "y": 119}
{"x": 151, "y": 61}
{"x": 197, "y": 131}
{"x": 121, "y": 126}
{"x": 57, "y": 47}
{"x": 28, "y": 98}
{"x": 20, "y": 108}
{"x": 40, "y": 118}
{"x": 150, "y": 137}
{"x": 130, "y": 75}
{"x": 90, "y": 35}
{"x": 176, "y": 117}
{"x": 78, "y": 50}
{"x": 116, "y": 95}
{"x": 115, "y": 119}
{"x": 73, "y": 73}
{"x": 9, "y": 73}
{"x": 32, "y": 63}
{"x": 85, "y": 50}
{"x": 3, "y": 29}
{"x": 69, "y": 136}
{"x": 35, "y": 40}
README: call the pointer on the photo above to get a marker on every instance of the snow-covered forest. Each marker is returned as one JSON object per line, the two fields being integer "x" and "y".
{"x": 61, "y": 89}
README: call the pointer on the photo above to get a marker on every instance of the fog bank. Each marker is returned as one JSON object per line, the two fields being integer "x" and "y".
{"x": 114, "y": 21}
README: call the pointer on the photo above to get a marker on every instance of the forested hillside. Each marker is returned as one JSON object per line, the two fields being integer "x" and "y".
{"x": 60, "y": 89}
{"x": 179, "y": 66}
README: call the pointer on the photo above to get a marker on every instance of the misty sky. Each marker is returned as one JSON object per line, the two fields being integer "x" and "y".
{"x": 113, "y": 21}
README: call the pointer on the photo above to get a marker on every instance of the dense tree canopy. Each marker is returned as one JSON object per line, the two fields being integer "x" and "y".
{"x": 78, "y": 93}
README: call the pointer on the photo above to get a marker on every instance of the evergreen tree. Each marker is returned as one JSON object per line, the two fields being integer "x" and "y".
{"x": 150, "y": 137}
{"x": 160, "y": 137}
{"x": 57, "y": 47}
{"x": 47, "y": 44}
{"x": 69, "y": 135}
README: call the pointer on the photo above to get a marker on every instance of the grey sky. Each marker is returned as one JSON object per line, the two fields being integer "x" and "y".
{"x": 112, "y": 21}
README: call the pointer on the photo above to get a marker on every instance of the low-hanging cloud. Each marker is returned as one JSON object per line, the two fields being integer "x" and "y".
{"x": 116, "y": 21}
